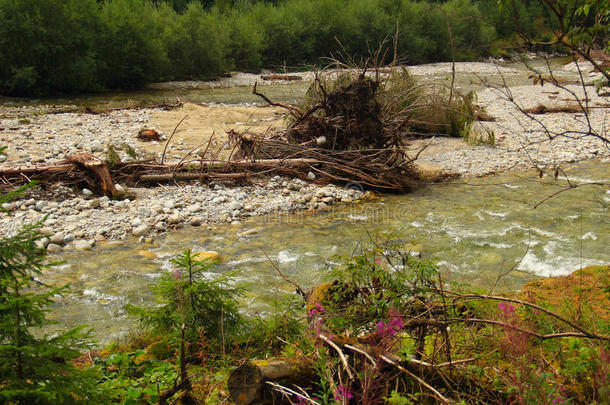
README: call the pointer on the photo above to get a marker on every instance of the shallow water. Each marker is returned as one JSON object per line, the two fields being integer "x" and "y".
{"x": 477, "y": 230}
{"x": 282, "y": 93}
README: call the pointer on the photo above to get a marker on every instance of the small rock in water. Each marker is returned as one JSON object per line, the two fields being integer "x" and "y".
{"x": 53, "y": 248}
{"x": 141, "y": 230}
{"x": 210, "y": 256}
{"x": 147, "y": 254}
{"x": 83, "y": 245}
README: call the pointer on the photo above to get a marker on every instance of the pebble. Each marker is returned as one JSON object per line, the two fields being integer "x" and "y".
{"x": 42, "y": 243}
{"x": 53, "y": 248}
{"x": 173, "y": 219}
{"x": 83, "y": 245}
{"x": 57, "y": 239}
{"x": 235, "y": 206}
{"x": 87, "y": 192}
{"x": 96, "y": 146}
{"x": 2, "y": 158}
{"x": 141, "y": 230}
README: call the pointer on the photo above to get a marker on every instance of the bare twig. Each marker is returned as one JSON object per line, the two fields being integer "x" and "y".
{"x": 277, "y": 268}
{"x": 437, "y": 394}
{"x": 341, "y": 355}
{"x": 170, "y": 138}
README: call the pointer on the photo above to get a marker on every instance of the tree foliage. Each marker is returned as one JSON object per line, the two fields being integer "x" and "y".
{"x": 36, "y": 369}
{"x": 208, "y": 308}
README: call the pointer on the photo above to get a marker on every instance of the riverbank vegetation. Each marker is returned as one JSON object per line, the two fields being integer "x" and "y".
{"x": 386, "y": 327}
{"x": 58, "y": 46}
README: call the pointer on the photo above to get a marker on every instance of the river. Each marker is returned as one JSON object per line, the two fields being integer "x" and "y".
{"x": 476, "y": 229}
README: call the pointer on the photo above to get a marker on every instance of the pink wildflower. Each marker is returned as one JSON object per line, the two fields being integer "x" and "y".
{"x": 394, "y": 325}
{"x": 343, "y": 392}
{"x": 318, "y": 310}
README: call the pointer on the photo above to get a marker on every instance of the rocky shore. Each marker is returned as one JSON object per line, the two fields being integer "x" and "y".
{"x": 75, "y": 218}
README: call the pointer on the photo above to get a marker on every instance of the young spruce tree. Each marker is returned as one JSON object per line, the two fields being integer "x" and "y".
{"x": 35, "y": 369}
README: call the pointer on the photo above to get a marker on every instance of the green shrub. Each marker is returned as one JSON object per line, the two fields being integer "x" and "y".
{"x": 246, "y": 41}
{"x": 197, "y": 43}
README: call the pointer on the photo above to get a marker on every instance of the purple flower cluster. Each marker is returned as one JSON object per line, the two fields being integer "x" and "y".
{"x": 507, "y": 309}
{"x": 318, "y": 310}
{"x": 390, "y": 328}
{"x": 177, "y": 274}
{"x": 343, "y": 392}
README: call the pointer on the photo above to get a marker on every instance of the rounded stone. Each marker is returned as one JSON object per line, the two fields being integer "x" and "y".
{"x": 210, "y": 256}
{"x": 53, "y": 248}
{"x": 83, "y": 245}
{"x": 141, "y": 230}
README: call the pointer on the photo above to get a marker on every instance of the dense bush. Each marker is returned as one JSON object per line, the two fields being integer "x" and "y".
{"x": 55, "y": 46}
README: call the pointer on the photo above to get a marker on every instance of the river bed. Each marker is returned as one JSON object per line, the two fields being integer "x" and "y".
{"x": 477, "y": 229}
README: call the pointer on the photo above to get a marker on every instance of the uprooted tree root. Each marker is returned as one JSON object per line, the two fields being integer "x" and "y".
{"x": 342, "y": 139}
{"x": 353, "y": 127}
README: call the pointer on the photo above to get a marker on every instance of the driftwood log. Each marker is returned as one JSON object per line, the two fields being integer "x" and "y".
{"x": 345, "y": 138}
{"x": 79, "y": 167}
{"x": 247, "y": 383}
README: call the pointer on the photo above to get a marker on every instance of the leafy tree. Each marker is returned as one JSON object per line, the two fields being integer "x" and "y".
{"x": 128, "y": 46}
{"x": 578, "y": 26}
{"x": 196, "y": 43}
{"x": 47, "y": 46}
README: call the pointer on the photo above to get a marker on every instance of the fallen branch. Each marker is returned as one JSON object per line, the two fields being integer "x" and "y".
{"x": 295, "y": 112}
{"x": 437, "y": 394}
{"x": 341, "y": 355}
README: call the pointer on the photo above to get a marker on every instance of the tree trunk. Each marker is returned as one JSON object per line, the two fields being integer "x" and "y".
{"x": 247, "y": 382}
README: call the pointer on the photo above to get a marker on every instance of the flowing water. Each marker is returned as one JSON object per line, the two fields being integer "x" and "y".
{"x": 477, "y": 230}
{"x": 484, "y": 232}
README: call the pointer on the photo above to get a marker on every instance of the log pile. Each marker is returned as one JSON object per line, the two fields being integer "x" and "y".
{"x": 344, "y": 138}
